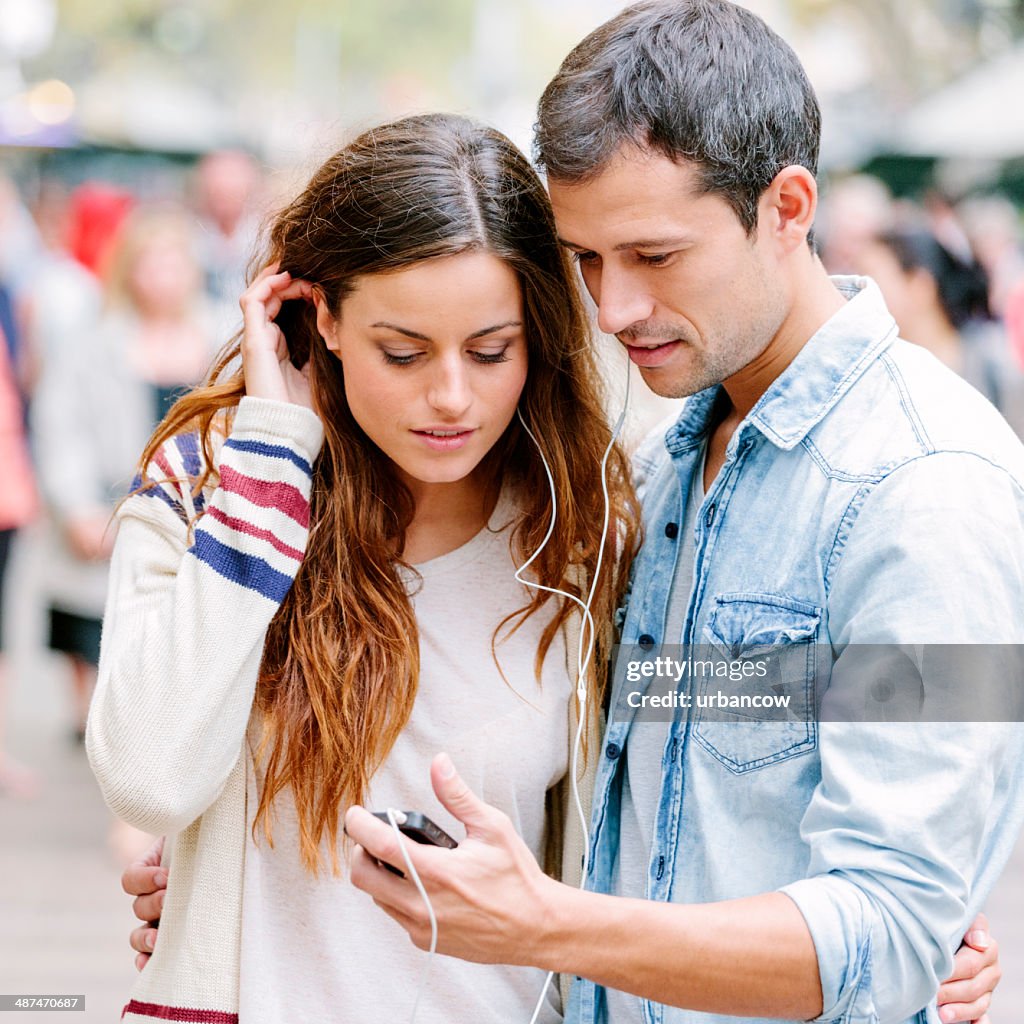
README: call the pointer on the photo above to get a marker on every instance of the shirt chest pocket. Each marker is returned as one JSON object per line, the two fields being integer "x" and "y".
{"x": 755, "y": 692}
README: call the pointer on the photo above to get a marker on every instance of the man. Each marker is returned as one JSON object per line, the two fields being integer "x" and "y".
{"x": 827, "y": 486}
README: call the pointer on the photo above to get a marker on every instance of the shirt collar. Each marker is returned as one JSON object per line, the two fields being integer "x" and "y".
{"x": 831, "y": 362}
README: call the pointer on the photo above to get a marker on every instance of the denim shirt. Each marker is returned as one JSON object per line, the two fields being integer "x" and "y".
{"x": 869, "y": 497}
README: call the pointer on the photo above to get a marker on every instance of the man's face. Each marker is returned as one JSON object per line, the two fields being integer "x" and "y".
{"x": 675, "y": 276}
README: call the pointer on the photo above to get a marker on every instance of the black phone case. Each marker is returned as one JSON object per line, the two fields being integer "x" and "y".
{"x": 419, "y": 828}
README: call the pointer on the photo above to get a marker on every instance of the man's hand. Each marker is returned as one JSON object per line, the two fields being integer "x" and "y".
{"x": 147, "y": 882}
{"x": 967, "y": 994}
{"x": 489, "y": 895}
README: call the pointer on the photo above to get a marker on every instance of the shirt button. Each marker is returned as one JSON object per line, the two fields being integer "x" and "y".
{"x": 646, "y": 641}
{"x": 671, "y": 530}
{"x": 612, "y": 751}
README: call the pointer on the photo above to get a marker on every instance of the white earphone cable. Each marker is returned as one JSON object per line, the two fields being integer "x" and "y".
{"x": 584, "y": 654}
{"x": 393, "y": 817}
{"x": 587, "y": 640}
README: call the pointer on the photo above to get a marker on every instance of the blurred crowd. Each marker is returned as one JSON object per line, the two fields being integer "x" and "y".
{"x": 110, "y": 305}
{"x": 952, "y": 275}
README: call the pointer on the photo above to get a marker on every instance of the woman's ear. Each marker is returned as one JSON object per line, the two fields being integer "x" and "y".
{"x": 326, "y": 324}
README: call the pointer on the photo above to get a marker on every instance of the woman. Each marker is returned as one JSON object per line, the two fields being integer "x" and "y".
{"x": 313, "y": 588}
{"x": 102, "y": 392}
{"x": 940, "y": 302}
{"x": 17, "y": 509}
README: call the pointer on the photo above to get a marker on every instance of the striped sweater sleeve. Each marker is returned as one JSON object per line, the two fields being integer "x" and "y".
{"x": 185, "y": 623}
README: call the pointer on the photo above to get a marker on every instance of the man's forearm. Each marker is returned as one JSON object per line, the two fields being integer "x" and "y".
{"x": 751, "y": 957}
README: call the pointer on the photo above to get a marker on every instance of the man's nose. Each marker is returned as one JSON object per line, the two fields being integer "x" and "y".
{"x": 621, "y": 301}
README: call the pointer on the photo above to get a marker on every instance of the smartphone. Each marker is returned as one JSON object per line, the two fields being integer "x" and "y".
{"x": 419, "y": 828}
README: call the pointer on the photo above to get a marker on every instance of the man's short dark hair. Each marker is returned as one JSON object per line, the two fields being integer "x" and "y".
{"x": 705, "y": 81}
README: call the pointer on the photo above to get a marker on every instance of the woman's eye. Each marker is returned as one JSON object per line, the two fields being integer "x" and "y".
{"x": 394, "y": 360}
{"x": 491, "y": 357}
{"x": 584, "y": 257}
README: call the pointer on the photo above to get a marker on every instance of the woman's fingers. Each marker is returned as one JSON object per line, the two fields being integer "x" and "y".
{"x": 295, "y": 289}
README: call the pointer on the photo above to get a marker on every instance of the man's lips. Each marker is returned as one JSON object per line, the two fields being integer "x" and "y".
{"x": 652, "y": 353}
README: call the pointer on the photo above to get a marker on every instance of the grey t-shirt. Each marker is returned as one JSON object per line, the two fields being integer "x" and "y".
{"x": 641, "y": 780}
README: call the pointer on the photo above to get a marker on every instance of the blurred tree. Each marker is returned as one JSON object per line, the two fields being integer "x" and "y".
{"x": 918, "y": 45}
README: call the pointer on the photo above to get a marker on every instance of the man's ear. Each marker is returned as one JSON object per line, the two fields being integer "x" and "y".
{"x": 326, "y": 324}
{"x": 789, "y": 205}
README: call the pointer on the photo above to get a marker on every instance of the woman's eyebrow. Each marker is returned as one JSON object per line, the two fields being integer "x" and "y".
{"x": 416, "y": 336}
{"x": 401, "y": 330}
{"x": 496, "y": 327}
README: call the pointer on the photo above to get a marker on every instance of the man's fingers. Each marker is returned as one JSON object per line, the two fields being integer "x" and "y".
{"x": 978, "y": 935}
{"x": 459, "y": 799}
{"x": 969, "y": 993}
{"x": 379, "y": 840}
{"x": 968, "y": 963}
{"x": 143, "y": 939}
{"x": 141, "y": 960}
{"x": 140, "y": 879}
{"x": 384, "y": 886}
{"x": 417, "y": 930}
{"x": 966, "y": 1012}
{"x": 150, "y": 906}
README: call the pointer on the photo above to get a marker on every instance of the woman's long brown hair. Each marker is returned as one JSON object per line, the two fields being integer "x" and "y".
{"x": 340, "y": 665}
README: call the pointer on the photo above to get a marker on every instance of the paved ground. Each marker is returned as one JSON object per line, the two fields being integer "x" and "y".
{"x": 63, "y": 918}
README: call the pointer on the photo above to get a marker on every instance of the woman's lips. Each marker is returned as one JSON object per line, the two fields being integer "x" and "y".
{"x": 445, "y": 439}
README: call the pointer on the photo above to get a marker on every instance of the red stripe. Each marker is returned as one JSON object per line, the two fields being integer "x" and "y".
{"x": 161, "y": 460}
{"x": 241, "y": 526}
{"x": 179, "y": 1013}
{"x": 284, "y": 497}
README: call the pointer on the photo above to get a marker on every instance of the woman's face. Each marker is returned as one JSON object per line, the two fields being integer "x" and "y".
{"x": 164, "y": 276}
{"x": 435, "y": 360}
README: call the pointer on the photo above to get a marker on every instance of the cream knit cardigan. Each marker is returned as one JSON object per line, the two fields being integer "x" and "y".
{"x": 186, "y": 617}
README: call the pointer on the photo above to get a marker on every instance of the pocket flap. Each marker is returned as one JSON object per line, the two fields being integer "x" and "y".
{"x": 742, "y": 625}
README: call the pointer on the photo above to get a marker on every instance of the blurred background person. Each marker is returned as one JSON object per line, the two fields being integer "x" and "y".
{"x": 226, "y": 186}
{"x": 64, "y": 297}
{"x": 854, "y": 211}
{"x": 992, "y": 226}
{"x": 17, "y": 507}
{"x": 102, "y": 391}
{"x": 940, "y": 301}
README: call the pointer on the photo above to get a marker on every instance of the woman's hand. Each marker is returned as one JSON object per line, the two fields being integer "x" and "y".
{"x": 265, "y": 358}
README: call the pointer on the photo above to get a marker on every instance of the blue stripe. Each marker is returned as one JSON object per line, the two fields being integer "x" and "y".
{"x": 155, "y": 490}
{"x": 247, "y": 570}
{"x": 188, "y": 445}
{"x": 273, "y": 451}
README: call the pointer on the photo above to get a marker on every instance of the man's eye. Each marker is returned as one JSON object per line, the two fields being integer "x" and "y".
{"x": 584, "y": 257}
{"x": 655, "y": 260}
